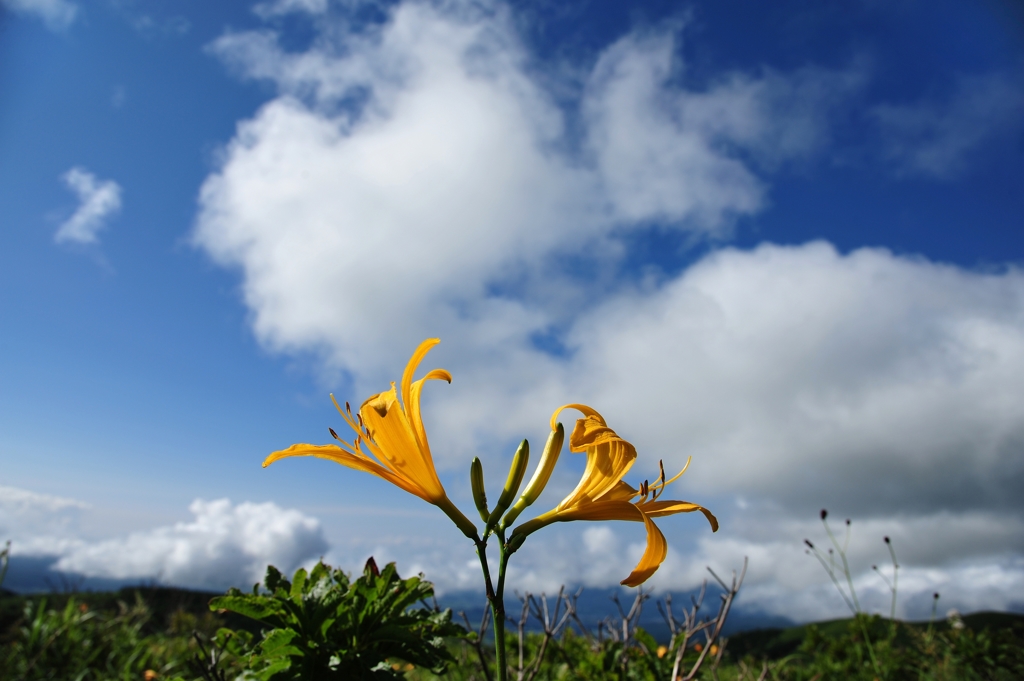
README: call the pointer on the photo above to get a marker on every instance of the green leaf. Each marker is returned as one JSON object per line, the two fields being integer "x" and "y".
{"x": 298, "y": 585}
{"x": 257, "y": 607}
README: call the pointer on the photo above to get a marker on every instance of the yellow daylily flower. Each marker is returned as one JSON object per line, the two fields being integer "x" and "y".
{"x": 392, "y": 432}
{"x": 602, "y": 495}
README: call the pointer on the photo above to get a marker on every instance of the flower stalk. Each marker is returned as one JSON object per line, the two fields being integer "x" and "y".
{"x": 391, "y": 443}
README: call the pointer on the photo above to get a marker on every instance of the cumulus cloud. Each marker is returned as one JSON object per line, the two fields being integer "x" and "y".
{"x": 224, "y": 545}
{"x": 938, "y": 138}
{"x": 877, "y": 382}
{"x": 98, "y": 200}
{"x": 660, "y": 148}
{"x": 57, "y": 14}
{"x": 426, "y": 143}
{"x": 415, "y": 179}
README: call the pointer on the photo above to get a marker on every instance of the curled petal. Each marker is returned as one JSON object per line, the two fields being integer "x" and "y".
{"x": 654, "y": 556}
{"x": 582, "y": 408}
{"x": 413, "y": 364}
{"x": 590, "y": 432}
{"x": 658, "y": 509}
{"x": 606, "y": 464}
{"x": 413, "y": 411}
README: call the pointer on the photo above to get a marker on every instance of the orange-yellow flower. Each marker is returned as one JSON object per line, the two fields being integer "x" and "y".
{"x": 602, "y": 495}
{"x": 396, "y": 447}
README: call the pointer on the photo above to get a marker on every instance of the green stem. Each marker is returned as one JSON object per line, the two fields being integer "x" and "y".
{"x": 496, "y": 601}
{"x": 871, "y": 650}
{"x": 498, "y": 609}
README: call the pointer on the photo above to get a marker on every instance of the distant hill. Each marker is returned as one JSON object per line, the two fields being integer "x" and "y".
{"x": 757, "y": 635}
{"x": 594, "y": 605}
{"x": 775, "y": 643}
{"x": 750, "y": 631}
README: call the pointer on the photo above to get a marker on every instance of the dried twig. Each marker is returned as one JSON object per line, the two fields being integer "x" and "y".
{"x": 711, "y": 628}
{"x": 552, "y": 622}
{"x": 478, "y": 643}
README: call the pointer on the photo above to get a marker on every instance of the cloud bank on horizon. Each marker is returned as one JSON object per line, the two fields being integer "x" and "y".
{"x": 223, "y": 545}
{"x": 424, "y": 177}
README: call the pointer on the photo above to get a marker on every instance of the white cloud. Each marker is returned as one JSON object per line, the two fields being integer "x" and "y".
{"x": 416, "y": 179}
{"x": 17, "y": 501}
{"x": 57, "y": 14}
{"x": 98, "y": 200}
{"x": 939, "y": 138}
{"x": 660, "y": 148}
{"x": 796, "y": 374}
{"x": 273, "y": 8}
{"x": 982, "y": 572}
{"x": 224, "y": 545}
{"x": 426, "y": 146}
{"x": 38, "y": 523}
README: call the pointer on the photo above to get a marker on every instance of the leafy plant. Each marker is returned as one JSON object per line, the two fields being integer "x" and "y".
{"x": 78, "y": 642}
{"x": 325, "y": 626}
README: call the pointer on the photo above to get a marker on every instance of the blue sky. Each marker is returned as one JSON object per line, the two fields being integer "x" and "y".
{"x": 785, "y": 241}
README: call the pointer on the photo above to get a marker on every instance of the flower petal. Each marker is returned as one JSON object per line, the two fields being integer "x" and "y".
{"x": 413, "y": 411}
{"x": 658, "y": 509}
{"x": 654, "y": 555}
{"x": 584, "y": 409}
{"x": 394, "y": 437}
{"x": 589, "y": 432}
{"x": 601, "y": 510}
{"x": 345, "y": 458}
{"x": 606, "y": 464}
{"x": 413, "y": 363}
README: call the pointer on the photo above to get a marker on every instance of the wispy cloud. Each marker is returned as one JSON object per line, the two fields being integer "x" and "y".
{"x": 938, "y": 138}
{"x": 57, "y": 14}
{"x": 272, "y": 8}
{"x": 98, "y": 200}
{"x": 38, "y": 523}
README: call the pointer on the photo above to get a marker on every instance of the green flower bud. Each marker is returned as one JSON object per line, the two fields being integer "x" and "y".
{"x": 476, "y": 479}
{"x": 515, "y": 479}
{"x": 513, "y": 543}
{"x": 540, "y": 476}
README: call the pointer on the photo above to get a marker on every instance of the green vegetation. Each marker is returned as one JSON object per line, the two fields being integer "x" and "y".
{"x": 321, "y": 625}
{"x": 324, "y": 625}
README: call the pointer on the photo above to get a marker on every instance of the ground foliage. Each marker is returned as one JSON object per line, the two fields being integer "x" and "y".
{"x": 323, "y": 625}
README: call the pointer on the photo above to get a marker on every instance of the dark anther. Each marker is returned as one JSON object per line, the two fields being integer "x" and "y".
{"x": 847, "y": 521}
{"x": 935, "y": 595}
{"x": 886, "y": 540}
{"x": 824, "y": 514}
{"x": 348, "y": 408}
{"x": 334, "y": 435}
{"x": 874, "y": 567}
{"x": 808, "y": 542}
